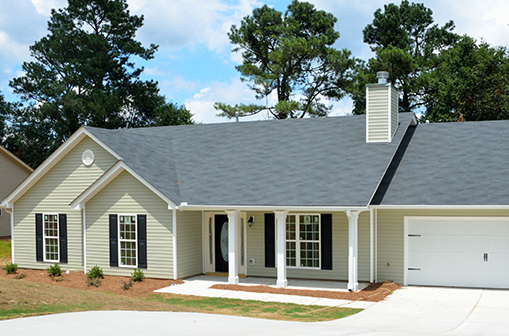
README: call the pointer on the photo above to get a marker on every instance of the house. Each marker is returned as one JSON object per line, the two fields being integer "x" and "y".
{"x": 12, "y": 172}
{"x": 356, "y": 198}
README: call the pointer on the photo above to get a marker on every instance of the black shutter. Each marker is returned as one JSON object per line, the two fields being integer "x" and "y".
{"x": 38, "y": 237}
{"x": 326, "y": 233}
{"x": 142, "y": 241}
{"x": 270, "y": 240}
{"x": 62, "y": 236}
{"x": 113, "y": 241}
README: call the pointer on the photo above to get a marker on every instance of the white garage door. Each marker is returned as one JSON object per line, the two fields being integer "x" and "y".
{"x": 459, "y": 252}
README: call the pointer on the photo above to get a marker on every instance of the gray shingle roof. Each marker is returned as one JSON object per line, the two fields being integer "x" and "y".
{"x": 305, "y": 162}
{"x": 453, "y": 164}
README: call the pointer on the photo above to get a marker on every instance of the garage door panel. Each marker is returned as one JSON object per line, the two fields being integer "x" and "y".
{"x": 462, "y": 252}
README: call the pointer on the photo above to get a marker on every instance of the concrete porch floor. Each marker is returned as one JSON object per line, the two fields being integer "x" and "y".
{"x": 200, "y": 286}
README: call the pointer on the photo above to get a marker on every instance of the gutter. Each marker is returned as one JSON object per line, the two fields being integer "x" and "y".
{"x": 184, "y": 206}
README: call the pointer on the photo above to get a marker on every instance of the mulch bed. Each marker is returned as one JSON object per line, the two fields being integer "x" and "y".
{"x": 78, "y": 280}
{"x": 375, "y": 292}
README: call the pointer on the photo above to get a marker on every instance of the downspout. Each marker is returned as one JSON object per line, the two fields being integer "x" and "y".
{"x": 11, "y": 212}
{"x": 371, "y": 246}
{"x": 84, "y": 221}
{"x": 174, "y": 213}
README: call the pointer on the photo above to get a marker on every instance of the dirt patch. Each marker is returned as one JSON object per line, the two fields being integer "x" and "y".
{"x": 78, "y": 280}
{"x": 374, "y": 292}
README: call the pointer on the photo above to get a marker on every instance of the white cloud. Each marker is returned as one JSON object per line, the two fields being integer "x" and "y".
{"x": 11, "y": 48}
{"x": 44, "y": 7}
{"x": 202, "y": 102}
{"x": 176, "y": 24}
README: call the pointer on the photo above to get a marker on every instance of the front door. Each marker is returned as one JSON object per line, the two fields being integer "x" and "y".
{"x": 221, "y": 242}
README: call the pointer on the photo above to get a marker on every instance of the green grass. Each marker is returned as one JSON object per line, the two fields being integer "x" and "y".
{"x": 44, "y": 309}
{"x": 5, "y": 248}
{"x": 258, "y": 309}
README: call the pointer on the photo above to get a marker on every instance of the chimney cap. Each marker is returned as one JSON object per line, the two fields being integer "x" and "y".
{"x": 382, "y": 77}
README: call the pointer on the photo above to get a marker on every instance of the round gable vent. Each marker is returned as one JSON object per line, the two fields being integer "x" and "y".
{"x": 88, "y": 157}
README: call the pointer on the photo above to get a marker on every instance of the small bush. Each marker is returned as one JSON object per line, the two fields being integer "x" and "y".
{"x": 95, "y": 273}
{"x": 11, "y": 268}
{"x": 54, "y": 271}
{"x": 20, "y": 276}
{"x": 137, "y": 276}
{"x": 126, "y": 285}
{"x": 93, "y": 282}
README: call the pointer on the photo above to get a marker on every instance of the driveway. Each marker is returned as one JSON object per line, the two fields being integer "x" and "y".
{"x": 409, "y": 311}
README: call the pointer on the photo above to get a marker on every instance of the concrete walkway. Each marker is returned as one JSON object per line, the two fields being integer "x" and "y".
{"x": 200, "y": 286}
{"x": 409, "y": 311}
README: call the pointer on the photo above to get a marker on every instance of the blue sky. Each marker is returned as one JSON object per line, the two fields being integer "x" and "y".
{"x": 194, "y": 65}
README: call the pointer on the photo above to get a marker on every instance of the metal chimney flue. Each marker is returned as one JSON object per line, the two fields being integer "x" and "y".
{"x": 382, "y": 77}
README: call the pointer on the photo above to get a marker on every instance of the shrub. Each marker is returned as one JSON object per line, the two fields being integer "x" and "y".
{"x": 20, "y": 276}
{"x": 95, "y": 273}
{"x": 54, "y": 271}
{"x": 126, "y": 285}
{"x": 93, "y": 282}
{"x": 137, "y": 276}
{"x": 11, "y": 268}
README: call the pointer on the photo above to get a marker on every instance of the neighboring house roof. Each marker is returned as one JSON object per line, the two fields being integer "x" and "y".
{"x": 303, "y": 162}
{"x": 453, "y": 164}
{"x": 15, "y": 159}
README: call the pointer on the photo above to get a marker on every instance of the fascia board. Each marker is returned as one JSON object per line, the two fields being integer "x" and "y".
{"x": 109, "y": 176}
{"x": 16, "y": 159}
{"x": 52, "y": 160}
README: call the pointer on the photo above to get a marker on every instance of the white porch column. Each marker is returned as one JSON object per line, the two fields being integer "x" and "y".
{"x": 353, "y": 283}
{"x": 233, "y": 264}
{"x": 281, "y": 247}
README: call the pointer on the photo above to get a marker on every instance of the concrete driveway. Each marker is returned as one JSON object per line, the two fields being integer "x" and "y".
{"x": 410, "y": 311}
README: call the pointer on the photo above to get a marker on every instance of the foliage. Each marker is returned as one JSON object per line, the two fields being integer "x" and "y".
{"x": 471, "y": 83}
{"x": 54, "y": 270}
{"x": 84, "y": 74}
{"x": 11, "y": 268}
{"x": 407, "y": 42}
{"x": 95, "y": 273}
{"x": 137, "y": 276}
{"x": 20, "y": 276}
{"x": 93, "y": 282}
{"x": 4, "y": 111}
{"x": 290, "y": 55}
{"x": 126, "y": 285}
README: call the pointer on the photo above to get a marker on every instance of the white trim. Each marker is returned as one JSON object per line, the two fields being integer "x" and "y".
{"x": 371, "y": 246}
{"x": 367, "y": 115}
{"x": 203, "y": 243}
{"x": 298, "y": 241}
{"x": 389, "y": 115}
{"x": 16, "y": 159}
{"x": 127, "y": 240}
{"x": 353, "y": 241}
{"x": 442, "y": 207}
{"x": 405, "y": 251}
{"x": 51, "y": 161}
{"x": 376, "y": 245}
{"x": 51, "y": 237}
{"x": 280, "y": 224}
{"x": 84, "y": 221}
{"x": 174, "y": 240}
{"x": 184, "y": 206}
{"x": 233, "y": 261}
{"x": 11, "y": 212}
{"x": 109, "y": 176}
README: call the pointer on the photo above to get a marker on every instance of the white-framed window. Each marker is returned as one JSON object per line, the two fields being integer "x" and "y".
{"x": 51, "y": 244}
{"x": 127, "y": 241}
{"x": 303, "y": 240}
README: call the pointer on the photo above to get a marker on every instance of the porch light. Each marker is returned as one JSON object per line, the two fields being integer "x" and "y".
{"x": 250, "y": 221}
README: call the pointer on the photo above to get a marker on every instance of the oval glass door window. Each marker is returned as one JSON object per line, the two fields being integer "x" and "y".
{"x": 224, "y": 241}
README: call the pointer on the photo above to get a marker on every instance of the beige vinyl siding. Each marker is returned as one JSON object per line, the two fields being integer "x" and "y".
{"x": 126, "y": 195}
{"x": 390, "y": 240}
{"x": 378, "y": 113}
{"x": 256, "y": 250}
{"x": 11, "y": 175}
{"x": 394, "y": 110}
{"x": 52, "y": 194}
{"x": 189, "y": 243}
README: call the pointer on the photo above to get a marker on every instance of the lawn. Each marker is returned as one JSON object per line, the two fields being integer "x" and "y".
{"x": 5, "y": 248}
{"x": 21, "y": 298}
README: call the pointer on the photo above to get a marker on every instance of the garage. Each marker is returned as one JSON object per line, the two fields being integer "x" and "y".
{"x": 457, "y": 251}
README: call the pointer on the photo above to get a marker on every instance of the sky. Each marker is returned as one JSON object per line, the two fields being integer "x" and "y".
{"x": 194, "y": 64}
